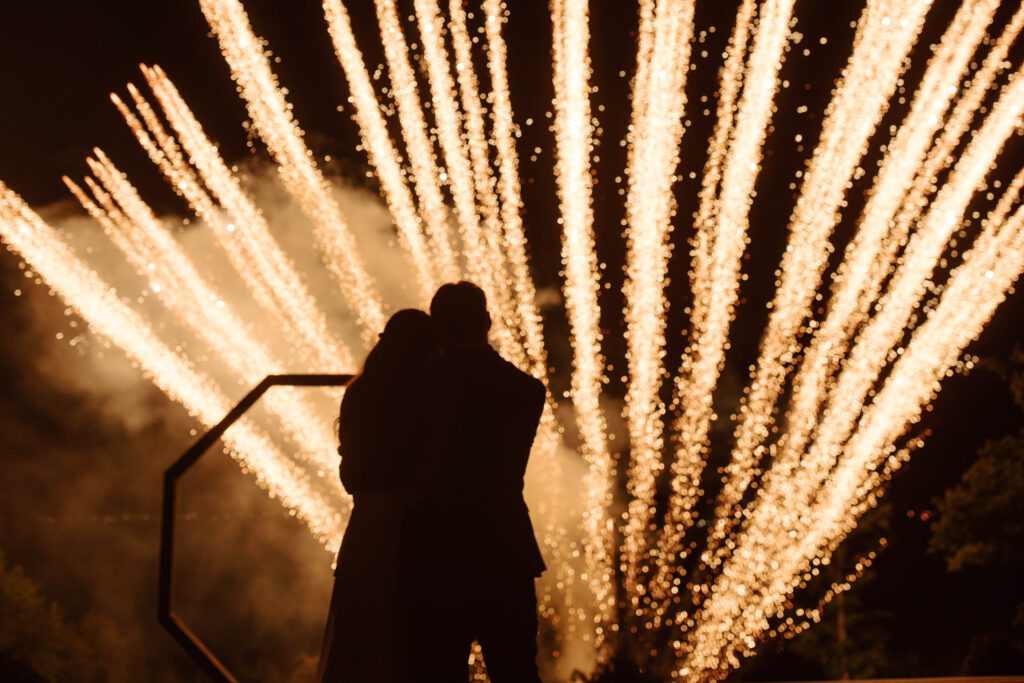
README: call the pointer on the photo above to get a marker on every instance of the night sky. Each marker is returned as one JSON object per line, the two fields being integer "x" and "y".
{"x": 86, "y": 441}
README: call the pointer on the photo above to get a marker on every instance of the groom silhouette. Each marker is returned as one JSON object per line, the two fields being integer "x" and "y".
{"x": 469, "y": 552}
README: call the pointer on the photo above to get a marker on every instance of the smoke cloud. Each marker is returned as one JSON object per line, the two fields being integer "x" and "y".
{"x": 89, "y": 439}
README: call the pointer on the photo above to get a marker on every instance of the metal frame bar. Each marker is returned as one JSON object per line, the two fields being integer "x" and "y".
{"x": 165, "y": 614}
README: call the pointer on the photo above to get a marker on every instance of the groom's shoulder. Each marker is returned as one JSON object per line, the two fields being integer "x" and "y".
{"x": 528, "y": 384}
{"x": 488, "y": 365}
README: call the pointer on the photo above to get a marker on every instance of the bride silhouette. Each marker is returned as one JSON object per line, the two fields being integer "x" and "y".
{"x": 378, "y": 430}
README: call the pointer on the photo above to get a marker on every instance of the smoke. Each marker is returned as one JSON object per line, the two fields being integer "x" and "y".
{"x": 92, "y": 437}
{"x": 569, "y": 650}
{"x": 87, "y": 439}
{"x": 80, "y": 480}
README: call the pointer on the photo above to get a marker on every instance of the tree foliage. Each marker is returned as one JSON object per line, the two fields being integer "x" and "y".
{"x": 36, "y": 644}
{"x": 981, "y": 525}
{"x": 981, "y": 519}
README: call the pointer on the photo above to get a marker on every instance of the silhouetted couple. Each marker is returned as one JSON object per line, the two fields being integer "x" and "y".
{"x": 435, "y": 434}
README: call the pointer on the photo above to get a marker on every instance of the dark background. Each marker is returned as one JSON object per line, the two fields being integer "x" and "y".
{"x": 79, "y": 476}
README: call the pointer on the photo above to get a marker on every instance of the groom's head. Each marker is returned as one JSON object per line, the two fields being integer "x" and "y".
{"x": 459, "y": 310}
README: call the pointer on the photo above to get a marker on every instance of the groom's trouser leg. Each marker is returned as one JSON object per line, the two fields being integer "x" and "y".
{"x": 507, "y": 623}
{"x": 439, "y": 631}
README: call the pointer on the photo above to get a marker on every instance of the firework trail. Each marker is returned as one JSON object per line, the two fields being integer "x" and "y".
{"x": 109, "y": 317}
{"x": 716, "y": 284}
{"x": 485, "y": 263}
{"x": 885, "y": 33}
{"x": 386, "y": 161}
{"x": 861, "y": 271}
{"x": 974, "y": 291}
{"x": 292, "y": 295}
{"x": 657, "y": 129}
{"x": 766, "y": 564}
{"x": 476, "y": 138}
{"x": 574, "y": 141}
{"x": 164, "y": 152}
{"x": 902, "y": 305}
{"x": 428, "y": 177}
{"x": 272, "y": 117}
{"x": 503, "y": 134}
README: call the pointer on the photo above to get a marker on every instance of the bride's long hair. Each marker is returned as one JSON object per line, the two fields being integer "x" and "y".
{"x": 407, "y": 345}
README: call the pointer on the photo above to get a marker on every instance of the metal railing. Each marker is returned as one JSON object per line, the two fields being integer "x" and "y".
{"x": 168, "y": 619}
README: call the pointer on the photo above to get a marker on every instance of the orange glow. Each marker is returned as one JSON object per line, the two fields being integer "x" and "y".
{"x": 844, "y": 369}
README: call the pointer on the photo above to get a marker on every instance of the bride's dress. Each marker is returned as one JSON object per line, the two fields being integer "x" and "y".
{"x": 365, "y": 639}
{"x": 364, "y": 627}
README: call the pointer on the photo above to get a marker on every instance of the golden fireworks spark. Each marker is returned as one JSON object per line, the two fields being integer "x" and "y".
{"x": 82, "y": 288}
{"x": 856, "y": 374}
{"x": 655, "y": 134}
{"x": 574, "y": 141}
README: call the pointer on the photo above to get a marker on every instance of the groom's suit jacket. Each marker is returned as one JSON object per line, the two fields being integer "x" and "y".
{"x": 472, "y": 513}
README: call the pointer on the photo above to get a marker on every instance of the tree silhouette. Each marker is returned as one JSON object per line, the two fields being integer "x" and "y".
{"x": 36, "y": 643}
{"x": 980, "y": 526}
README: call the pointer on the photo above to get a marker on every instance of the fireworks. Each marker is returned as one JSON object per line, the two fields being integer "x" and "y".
{"x": 856, "y": 367}
{"x": 86, "y": 291}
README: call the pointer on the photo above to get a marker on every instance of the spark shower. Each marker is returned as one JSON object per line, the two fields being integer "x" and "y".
{"x": 850, "y": 356}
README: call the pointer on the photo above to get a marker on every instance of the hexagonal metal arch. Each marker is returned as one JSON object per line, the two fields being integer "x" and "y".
{"x": 174, "y": 625}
